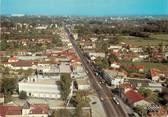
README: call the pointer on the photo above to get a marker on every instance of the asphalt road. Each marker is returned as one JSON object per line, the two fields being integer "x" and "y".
{"x": 105, "y": 95}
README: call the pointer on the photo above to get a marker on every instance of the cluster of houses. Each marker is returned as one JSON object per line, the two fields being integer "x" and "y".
{"x": 44, "y": 82}
{"x": 118, "y": 77}
{"x": 26, "y": 110}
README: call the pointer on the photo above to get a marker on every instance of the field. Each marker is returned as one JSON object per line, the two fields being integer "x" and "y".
{"x": 148, "y": 65}
{"x": 154, "y": 39}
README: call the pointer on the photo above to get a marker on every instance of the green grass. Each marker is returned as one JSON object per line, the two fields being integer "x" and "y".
{"x": 154, "y": 39}
{"x": 148, "y": 65}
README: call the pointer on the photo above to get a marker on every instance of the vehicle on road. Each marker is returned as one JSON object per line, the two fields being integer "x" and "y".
{"x": 93, "y": 102}
{"x": 116, "y": 100}
{"x": 101, "y": 99}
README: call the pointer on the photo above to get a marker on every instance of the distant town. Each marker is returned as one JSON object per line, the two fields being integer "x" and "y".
{"x": 83, "y": 66}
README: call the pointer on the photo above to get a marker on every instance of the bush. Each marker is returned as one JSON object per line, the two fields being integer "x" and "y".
{"x": 23, "y": 95}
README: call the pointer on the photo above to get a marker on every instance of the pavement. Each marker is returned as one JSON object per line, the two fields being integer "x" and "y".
{"x": 97, "y": 109}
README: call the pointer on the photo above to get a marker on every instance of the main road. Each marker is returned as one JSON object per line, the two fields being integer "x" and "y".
{"x": 105, "y": 95}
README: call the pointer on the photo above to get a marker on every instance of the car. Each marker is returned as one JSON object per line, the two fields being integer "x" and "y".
{"x": 93, "y": 102}
{"x": 101, "y": 99}
{"x": 116, "y": 100}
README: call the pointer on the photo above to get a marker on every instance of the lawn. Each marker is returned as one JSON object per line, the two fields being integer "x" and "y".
{"x": 148, "y": 65}
{"x": 154, "y": 39}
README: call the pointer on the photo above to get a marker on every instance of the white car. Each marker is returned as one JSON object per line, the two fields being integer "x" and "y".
{"x": 116, "y": 100}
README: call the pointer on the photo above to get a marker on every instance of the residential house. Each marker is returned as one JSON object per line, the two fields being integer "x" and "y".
{"x": 139, "y": 68}
{"x": 136, "y": 49}
{"x": 114, "y": 77}
{"x": 133, "y": 98}
{"x": 154, "y": 86}
{"x": 115, "y": 47}
{"x": 27, "y": 110}
{"x": 115, "y": 65}
{"x": 13, "y": 59}
{"x": 97, "y": 54}
{"x": 21, "y": 64}
{"x": 155, "y": 74}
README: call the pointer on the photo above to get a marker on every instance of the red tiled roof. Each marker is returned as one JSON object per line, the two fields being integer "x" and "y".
{"x": 10, "y": 110}
{"x": 136, "y": 67}
{"x": 23, "y": 63}
{"x": 133, "y": 96}
{"x": 39, "y": 109}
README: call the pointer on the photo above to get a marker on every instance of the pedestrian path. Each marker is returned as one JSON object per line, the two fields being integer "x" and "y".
{"x": 96, "y": 107}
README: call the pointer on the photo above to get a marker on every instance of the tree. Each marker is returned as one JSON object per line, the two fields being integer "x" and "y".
{"x": 141, "y": 110}
{"x": 149, "y": 94}
{"x": 61, "y": 113}
{"x": 154, "y": 97}
{"x": 145, "y": 92}
{"x": 8, "y": 85}
{"x": 65, "y": 84}
{"x": 3, "y": 44}
{"x": 81, "y": 100}
{"x": 28, "y": 72}
{"x": 102, "y": 62}
{"x": 23, "y": 95}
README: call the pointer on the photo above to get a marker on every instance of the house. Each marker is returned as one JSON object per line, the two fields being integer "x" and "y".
{"x": 139, "y": 68}
{"x": 21, "y": 64}
{"x": 78, "y": 71}
{"x": 13, "y": 59}
{"x": 93, "y": 39}
{"x": 154, "y": 86}
{"x": 114, "y": 77}
{"x": 48, "y": 67}
{"x": 41, "y": 86}
{"x": 155, "y": 74}
{"x": 83, "y": 84}
{"x": 115, "y": 47}
{"x": 27, "y": 110}
{"x": 136, "y": 50}
{"x": 115, "y": 65}
{"x": 97, "y": 54}
{"x": 31, "y": 57}
{"x": 41, "y": 27}
{"x": 134, "y": 98}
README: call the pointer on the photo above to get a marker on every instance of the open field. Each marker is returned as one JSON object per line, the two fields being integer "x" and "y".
{"x": 148, "y": 65}
{"x": 154, "y": 39}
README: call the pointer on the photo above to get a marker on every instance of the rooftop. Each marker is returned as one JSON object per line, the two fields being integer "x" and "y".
{"x": 133, "y": 96}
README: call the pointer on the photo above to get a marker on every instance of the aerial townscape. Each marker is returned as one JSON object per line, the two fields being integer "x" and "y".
{"x": 83, "y": 66}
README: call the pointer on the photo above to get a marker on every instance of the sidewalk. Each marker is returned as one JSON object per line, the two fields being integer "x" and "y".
{"x": 96, "y": 107}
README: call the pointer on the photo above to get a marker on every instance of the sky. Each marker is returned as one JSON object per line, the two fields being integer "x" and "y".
{"x": 85, "y": 7}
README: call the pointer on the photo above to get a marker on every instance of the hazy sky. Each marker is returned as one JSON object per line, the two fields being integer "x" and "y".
{"x": 85, "y": 7}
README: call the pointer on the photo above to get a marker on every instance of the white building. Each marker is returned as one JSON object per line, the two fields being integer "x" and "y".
{"x": 114, "y": 77}
{"x": 97, "y": 54}
{"x": 40, "y": 87}
{"x": 54, "y": 67}
{"x": 83, "y": 84}
{"x": 115, "y": 47}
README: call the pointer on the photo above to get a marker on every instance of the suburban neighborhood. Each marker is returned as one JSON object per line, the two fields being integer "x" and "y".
{"x": 53, "y": 68}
